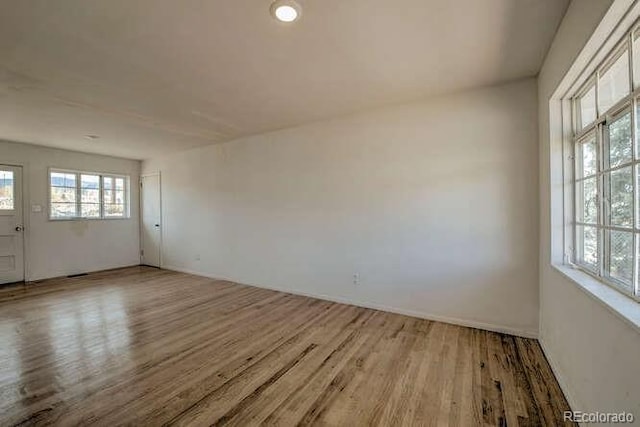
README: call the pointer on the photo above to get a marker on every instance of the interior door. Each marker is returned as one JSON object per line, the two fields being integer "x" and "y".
{"x": 11, "y": 225}
{"x": 150, "y": 205}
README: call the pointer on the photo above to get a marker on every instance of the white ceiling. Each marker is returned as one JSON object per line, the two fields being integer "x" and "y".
{"x": 154, "y": 76}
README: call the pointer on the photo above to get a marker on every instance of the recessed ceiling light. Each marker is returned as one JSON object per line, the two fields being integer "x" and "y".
{"x": 285, "y": 10}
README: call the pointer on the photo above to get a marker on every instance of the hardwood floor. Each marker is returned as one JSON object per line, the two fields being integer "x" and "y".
{"x": 141, "y": 346}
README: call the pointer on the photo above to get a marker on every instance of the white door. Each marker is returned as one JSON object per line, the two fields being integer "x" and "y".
{"x": 11, "y": 225}
{"x": 151, "y": 219}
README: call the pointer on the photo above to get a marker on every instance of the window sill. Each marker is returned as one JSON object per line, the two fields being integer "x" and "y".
{"x": 619, "y": 304}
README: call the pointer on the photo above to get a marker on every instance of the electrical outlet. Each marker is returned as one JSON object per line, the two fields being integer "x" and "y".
{"x": 356, "y": 279}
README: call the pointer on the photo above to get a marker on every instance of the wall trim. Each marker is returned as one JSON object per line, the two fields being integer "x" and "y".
{"x": 66, "y": 276}
{"x": 341, "y": 300}
{"x": 562, "y": 382}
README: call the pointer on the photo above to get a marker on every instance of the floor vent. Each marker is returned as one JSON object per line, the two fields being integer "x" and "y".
{"x": 71, "y": 276}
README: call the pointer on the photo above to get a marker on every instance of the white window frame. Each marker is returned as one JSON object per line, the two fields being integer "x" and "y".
{"x": 630, "y": 103}
{"x": 78, "y": 189}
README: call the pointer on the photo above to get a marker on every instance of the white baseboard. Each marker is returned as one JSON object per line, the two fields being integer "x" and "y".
{"x": 60, "y": 275}
{"x": 364, "y": 304}
{"x": 568, "y": 394}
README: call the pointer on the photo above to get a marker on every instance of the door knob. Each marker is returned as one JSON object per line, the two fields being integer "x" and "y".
{"x": 157, "y": 225}
{"x": 19, "y": 228}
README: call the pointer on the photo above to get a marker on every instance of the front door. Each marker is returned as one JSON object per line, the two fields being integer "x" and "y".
{"x": 11, "y": 225}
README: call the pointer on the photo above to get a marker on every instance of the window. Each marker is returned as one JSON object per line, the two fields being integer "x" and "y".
{"x": 606, "y": 181}
{"x": 6, "y": 190}
{"x": 87, "y": 195}
{"x": 63, "y": 195}
{"x": 113, "y": 196}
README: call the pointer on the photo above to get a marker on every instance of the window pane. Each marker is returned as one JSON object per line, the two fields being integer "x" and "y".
{"x": 621, "y": 256}
{"x": 6, "y": 190}
{"x": 119, "y": 183}
{"x": 63, "y": 195}
{"x": 637, "y": 169}
{"x": 90, "y": 210}
{"x": 587, "y": 246}
{"x": 637, "y": 264}
{"x": 90, "y": 181}
{"x": 636, "y": 59}
{"x": 90, "y": 196}
{"x": 119, "y": 197}
{"x": 620, "y": 144}
{"x": 114, "y": 197}
{"x": 621, "y": 197}
{"x": 587, "y": 158}
{"x": 113, "y": 210}
{"x": 587, "y": 106}
{"x": 637, "y": 127}
{"x": 63, "y": 210}
{"x": 614, "y": 83}
{"x": 60, "y": 179}
{"x": 587, "y": 201}
{"x": 107, "y": 182}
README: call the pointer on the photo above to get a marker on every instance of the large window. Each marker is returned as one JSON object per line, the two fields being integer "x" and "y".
{"x": 607, "y": 170}
{"x": 87, "y": 195}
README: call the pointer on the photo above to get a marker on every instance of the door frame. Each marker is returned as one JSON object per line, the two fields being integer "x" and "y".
{"x": 26, "y": 223}
{"x": 141, "y": 212}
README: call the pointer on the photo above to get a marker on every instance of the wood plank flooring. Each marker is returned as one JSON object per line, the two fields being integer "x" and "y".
{"x": 141, "y": 346}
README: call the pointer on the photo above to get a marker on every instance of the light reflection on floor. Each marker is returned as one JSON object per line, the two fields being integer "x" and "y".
{"x": 80, "y": 336}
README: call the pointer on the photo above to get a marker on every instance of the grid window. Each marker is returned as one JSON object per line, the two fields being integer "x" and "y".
{"x": 79, "y": 195}
{"x": 607, "y": 171}
{"x": 114, "y": 196}
{"x": 90, "y": 196}
{"x": 63, "y": 195}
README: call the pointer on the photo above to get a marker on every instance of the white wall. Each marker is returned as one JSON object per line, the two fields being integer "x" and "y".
{"x": 58, "y": 248}
{"x": 595, "y": 354}
{"x": 433, "y": 204}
